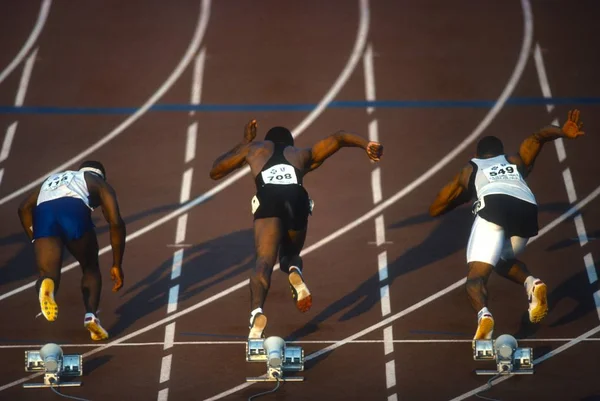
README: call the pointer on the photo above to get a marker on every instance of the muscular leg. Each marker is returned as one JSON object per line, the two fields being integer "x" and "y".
{"x": 513, "y": 270}
{"x": 289, "y": 253}
{"x": 479, "y": 273}
{"x": 85, "y": 250}
{"x": 48, "y": 256}
{"x": 267, "y": 237}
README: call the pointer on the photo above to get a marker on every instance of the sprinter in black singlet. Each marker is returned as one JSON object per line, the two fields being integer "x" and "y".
{"x": 281, "y": 205}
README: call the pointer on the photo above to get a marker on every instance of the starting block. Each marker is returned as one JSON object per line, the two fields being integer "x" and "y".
{"x": 509, "y": 358}
{"x": 55, "y": 366}
{"x": 278, "y": 357}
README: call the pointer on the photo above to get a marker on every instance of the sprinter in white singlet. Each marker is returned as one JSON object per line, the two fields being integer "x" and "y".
{"x": 506, "y": 213}
{"x": 58, "y": 214}
{"x": 281, "y": 205}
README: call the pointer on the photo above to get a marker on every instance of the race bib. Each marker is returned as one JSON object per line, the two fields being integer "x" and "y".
{"x": 57, "y": 180}
{"x": 280, "y": 174}
{"x": 502, "y": 172}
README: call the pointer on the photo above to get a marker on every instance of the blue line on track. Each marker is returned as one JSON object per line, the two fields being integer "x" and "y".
{"x": 290, "y": 107}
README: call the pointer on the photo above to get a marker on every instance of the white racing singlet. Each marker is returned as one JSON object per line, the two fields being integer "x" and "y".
{"x": 497, "y": 175}
{"x": 68, "y": 184}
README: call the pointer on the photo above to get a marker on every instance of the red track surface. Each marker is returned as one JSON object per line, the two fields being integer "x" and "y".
{"x": 117, "y": 54}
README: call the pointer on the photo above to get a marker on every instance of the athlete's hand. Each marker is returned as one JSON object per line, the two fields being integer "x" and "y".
{"x": 374, "y": 151}
{"x": 572, "y": 128}
{"x": 250, "y": 132}
{"x": 117, "y": 276}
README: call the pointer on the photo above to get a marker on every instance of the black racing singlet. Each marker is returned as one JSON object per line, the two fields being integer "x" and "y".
{"x": 278, "y": 171}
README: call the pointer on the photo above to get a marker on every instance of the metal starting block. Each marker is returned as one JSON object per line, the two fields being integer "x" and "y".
{"x": 510, "y": 359}
{"x": 278, "y": 357}
{"x": 55, "y": 367}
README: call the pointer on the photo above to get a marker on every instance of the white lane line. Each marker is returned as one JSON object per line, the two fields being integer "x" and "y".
{"x": 393, "y": 397}
{"x": 590, "y": 268}
{"x": 169, "y": 336}
{"x": 543, "y": 77}
{"x": 597, "y": 302}
{"x": 369, "y": 73}
{"x": 388, "y": 340}
{"x": 8, "y": 140}
{"x": 177, "y": 262}
{"x": 181, "y": 228}
{"x": 374, "y": 131}
{"x": 198, "y": 78}
{"x": 379, "y": 230}
{"x": 165, "y": 368}
{"x": 382, "y": 266}
{"x": 173, "y": 297}
{"x": 559, "y": 144}
{"x": 190, "y": 147}
{"x": 376, "y": 187}
{"x": 1, "y": 174}
{"x": 581, "y": 232}
{"x": 163, "y": 395}
{"x": 537, "y": 361}
{"x": 384, "y": 293}
{"x": 37, "y": 29}
{"x": 25, "y": 77}
{"x": 179, "y": 69}
{"x": 354, "y": 342}
{"x": 390, "y": 374}
{"x": 569, "y": 185}
{"x": 186, "y": 185}
{"x": 329, "y": 96}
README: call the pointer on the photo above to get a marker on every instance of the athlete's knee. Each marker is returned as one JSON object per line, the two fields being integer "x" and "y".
{"x": 285, "y": 262}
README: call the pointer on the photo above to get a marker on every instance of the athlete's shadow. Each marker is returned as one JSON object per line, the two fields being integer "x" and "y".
{"x": 576, "y": 288}
{"x": 446, "y": 238}
{"x": 204, "y": 265}
{"x": 565, "y": 243}
{"x": 449, "y": 236}
{"x": 22, "y": 265}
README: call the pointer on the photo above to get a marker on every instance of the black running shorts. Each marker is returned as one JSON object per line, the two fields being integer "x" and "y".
{"x": 516, "y": 216}
{"x": 290, "y": 203}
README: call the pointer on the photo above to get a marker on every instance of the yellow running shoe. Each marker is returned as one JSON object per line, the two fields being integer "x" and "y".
{"x": 47, "y": 303}
{"x": 92, "y": 323}
{"x": 300, "y": 291}
{"x": 485, "y": 327}
{"x": 538, "y": 302}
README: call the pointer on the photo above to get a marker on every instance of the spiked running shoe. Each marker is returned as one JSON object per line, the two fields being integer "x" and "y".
{"x": 538, "y": 303}
{"x": 258, "y": 325}
{"x": 485, "y": 327}
{"x": 47, "y": 303}
{"x": 92, "y": 323}
{"x": 300, "y": 291}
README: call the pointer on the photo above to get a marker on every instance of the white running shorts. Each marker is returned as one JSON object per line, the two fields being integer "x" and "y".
{"x": 487, "y": 243}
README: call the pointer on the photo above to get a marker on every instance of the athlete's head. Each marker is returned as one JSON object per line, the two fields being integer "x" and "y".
{"x": 489, "y": 146}
{"x": 280, "y": 135}
{"x": 93, "y": 166}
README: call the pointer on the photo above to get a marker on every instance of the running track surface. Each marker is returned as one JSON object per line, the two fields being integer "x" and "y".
{"x": 118, "y": 54}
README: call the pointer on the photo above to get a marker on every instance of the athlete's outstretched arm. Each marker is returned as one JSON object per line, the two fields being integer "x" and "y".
{"x": 532, "y": 145}
{"x": 325, "y": 148}
{"x": 236, "y": 157}
{"x": 26, "y": 212}
{"x": 454, "y": 194}
{"x": 110, "y": 210}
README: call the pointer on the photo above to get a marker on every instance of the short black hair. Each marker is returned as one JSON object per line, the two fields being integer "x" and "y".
{"x": 490, "y": 146}
{"x": 94, "y": 164}
{"x": 280, "y": 135}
